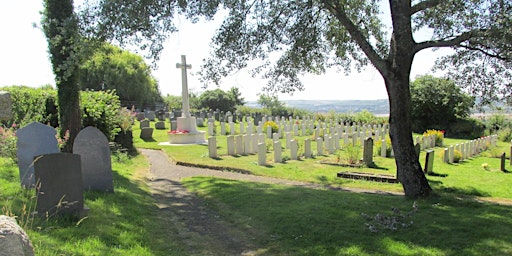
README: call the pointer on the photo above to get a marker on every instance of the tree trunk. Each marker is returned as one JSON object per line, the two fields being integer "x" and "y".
{"x": 409, "y": 171}
{"x": 61, "y": 30}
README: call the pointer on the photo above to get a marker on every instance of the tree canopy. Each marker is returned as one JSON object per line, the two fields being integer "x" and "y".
{"x": 291, "y": 37}
{"x": 111, "y": 68}
{"x": 437, "y": 103}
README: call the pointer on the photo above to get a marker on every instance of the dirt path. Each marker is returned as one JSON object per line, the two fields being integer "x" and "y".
{"x": 199, "y": 228}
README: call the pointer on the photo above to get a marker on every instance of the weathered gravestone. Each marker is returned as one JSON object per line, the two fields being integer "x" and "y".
{"x": 13, "y": 239}
{"x": 59, "y": 188}
{"x": 144, "y": 124}
{"x": 33, "y": 140}
{"x": 140, "y": 116}
{"x": 92, "y": 146}
{"x": 146, "y": 133}
{"x": 368, "y": 152}
{"x": 5, "y": 106}
{"x": 160, "y": 125}
{"x": 429, "y": 161}
{"x": 150, "y": 115}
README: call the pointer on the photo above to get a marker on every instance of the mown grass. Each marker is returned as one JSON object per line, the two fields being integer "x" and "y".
{"x": 284, "y": 220}
{"x": 299, "y": 221}
{"x": 120, "y": 223}
{"x": 464, "y": 178}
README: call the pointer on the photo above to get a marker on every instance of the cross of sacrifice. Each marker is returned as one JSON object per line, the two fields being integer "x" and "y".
{"x": 184, "y": 86}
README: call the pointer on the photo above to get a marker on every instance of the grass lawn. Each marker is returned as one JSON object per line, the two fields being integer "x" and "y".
{"x": 285, "y": 220}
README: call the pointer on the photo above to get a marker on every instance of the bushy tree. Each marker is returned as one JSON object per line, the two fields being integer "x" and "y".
{"x": 272, "y": 104}
{"x": 217, "y": 99}
{"x": 437, "y": 102}
{"x": 112, "y": 68}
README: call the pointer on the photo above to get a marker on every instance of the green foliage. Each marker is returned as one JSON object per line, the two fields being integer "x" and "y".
{"x": 437, "y": 103}
{"x": 457, "y": 156}
{"x": 505, "y": 135}
{"x": 33, "y": 105}
{"x": 439, "y": 136}
{"x": 8, "y": 142}
{"x": 272, "y": 124}
{"x": 272, "y": 104}
{"x": 351, "y": 154}
{"x": 466, "y": 128}
{"x": 217, "y": 99}
{"x": 100, "y": 109}
{"x": 112, "y": 68}
{"x": 378, "y": 147}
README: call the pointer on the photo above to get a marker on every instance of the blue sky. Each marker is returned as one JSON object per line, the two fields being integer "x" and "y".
{"x": 24, "y": 61}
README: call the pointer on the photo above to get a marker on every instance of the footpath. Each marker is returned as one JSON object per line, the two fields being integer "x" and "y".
{"x": 198, "y": 227}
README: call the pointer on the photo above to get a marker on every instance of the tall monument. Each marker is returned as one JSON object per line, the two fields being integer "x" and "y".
{"x": 186, "y": 132}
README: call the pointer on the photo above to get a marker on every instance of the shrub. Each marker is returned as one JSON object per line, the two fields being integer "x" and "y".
{"x": 378, "y": 146}
{"x": 439, "y": 136}
{"x": 100, "y": 109}
{"x": 275, "y": 127}
{"x": 351, "y": 154}
{"x": 457, "y": 156}
{"x": 505, "y": 134}
{"x": 33, "y": 105}
{"x": 8, "y": 142}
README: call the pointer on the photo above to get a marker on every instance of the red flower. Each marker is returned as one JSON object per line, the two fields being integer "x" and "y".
{"x": 178, "y": 132}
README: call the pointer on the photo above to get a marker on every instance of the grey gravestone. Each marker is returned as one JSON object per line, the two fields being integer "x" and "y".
{"x": 417, "y": 149}
{"x": 59, "y": 189}
{"x": 33, "y": 140}
{"x": 140, "y": 116}
{"x": 92, "y": 146}
{"x": 146, "y": 133}
{"x": 160, "y": 125}
{"x": 144, "y": 124}
{"x": 502, "y": 164}
{"x": 429, "y": 161}
{"x": 150, "y": 115}
{"x": 174, "y": 125}
{"x": 5, "y": 106}
{"x": 368, "y": 152}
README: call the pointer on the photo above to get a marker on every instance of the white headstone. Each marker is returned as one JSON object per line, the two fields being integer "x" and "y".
{"x": 277, "y": 152}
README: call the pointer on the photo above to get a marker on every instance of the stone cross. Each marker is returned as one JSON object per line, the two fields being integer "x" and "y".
{"x": 184, "y": 86}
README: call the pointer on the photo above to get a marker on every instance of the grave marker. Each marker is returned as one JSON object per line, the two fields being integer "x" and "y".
{"x": 368, "y": 152}
{"x": 429, "y": 161}
{"x": 212, "y": 147}
{"x": 33, "y": 140}
{"x": 92, "y": 147}
{"x": 277, "y": 152}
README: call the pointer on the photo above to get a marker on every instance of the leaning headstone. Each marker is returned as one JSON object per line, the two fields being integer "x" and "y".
{"x": 92, "y": 146}
{"x": 368, "y": 152}
{"x": 33, "y": 140}
{"x": 5, "y": 106}
{"x": 13, "y": 239}
{"x": 429, "y": 161}
{"x": 59, "y": 188}
{"x": 144, "y": 124}
{"x": 146, "y": 133}
{"x": 160, "y": 125}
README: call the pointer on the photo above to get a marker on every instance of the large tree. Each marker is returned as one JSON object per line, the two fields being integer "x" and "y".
{"x": 310, "y": 35}
{"x": 112, "y": 68}
{"x": 61, "y": 29}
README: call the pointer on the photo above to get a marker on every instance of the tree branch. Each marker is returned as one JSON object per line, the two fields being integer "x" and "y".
{"x": 446, "y": 43}
{"x": 356, "y": 35}
{"x": 424, "y": 5}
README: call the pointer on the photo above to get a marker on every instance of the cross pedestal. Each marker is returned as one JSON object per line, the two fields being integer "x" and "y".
{"x": 186, "y": 132}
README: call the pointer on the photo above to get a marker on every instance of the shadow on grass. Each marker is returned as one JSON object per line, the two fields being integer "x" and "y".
{"x": 298, "y": 221}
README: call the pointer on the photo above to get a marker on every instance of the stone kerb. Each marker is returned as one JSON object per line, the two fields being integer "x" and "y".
{"x": 92, "y": 146}
{"x": 33, "y": 140}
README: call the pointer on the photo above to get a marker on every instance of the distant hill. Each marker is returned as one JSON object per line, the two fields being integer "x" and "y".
{"x": 377, "y": 107}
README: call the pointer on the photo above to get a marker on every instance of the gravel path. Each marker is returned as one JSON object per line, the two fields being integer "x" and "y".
{"x": 199, "y": 228}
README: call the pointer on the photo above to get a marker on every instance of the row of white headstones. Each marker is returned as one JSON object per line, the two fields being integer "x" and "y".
{"x": 248, "y": 142}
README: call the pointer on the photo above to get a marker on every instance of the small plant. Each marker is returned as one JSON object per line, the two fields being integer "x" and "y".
{"x": 125, "y": 119}
{"x": 352, "y": 154}
{"x": 8, "y": 142}
{"x": 485, "y": 166}
{"x": 393, "y": 222}
{"x": 273, "y": 125}
{"x": 439, "y": 136}
{"x": 457, "y": 156}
